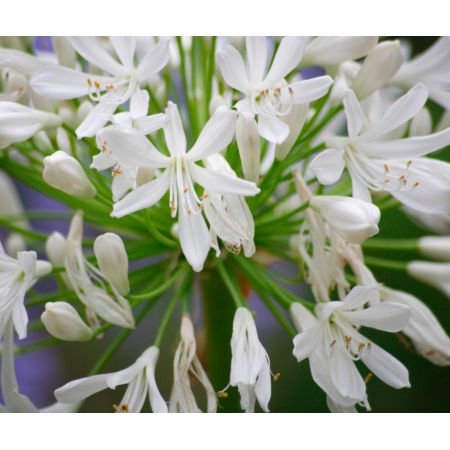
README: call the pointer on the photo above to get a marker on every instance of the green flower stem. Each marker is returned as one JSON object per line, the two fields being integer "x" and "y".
{"x": 381, "y": 263}
{"x": 392, "y": 244}
{"x": 210, "y": 73}
{"x": 283, "y": 217}
{"x": 177, "y": 297}
{"x": 234, "y": 290}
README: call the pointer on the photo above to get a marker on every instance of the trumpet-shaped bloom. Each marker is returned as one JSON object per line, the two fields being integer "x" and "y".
{"x": 180, "y": 173}
{"x": 140, "y": 378}
{"x": 186, "y": 364}
{"x": 395, "y": 166}
{"x": 121, "y": 82}
{"x": 266, "y": 94}
{"x": 431, "y": 273}
{"x": 17, "y": 275}
{"x": 332, "y": 343}
{"x": 250, "y": 365}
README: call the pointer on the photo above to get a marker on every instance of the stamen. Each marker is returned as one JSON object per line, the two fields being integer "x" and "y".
{"x": 276, "y": 377}
{"x": 222, "y": 394}
{"x": 368, "y": 377}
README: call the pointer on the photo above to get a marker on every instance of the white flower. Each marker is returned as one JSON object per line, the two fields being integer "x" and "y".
{"x": 250, "y": 365}
{"x": 62, "y": 320}
{"x": 124, "y": 80}
{"x": 90, "y": 284}
{"x": 65, "y": 173}
{"x": 186, "y": 364}
{"x": 266, "y": 94}
{"x": 355, "y": 220}
{"x": 437, "y": 247}
{"x": 180, "y": 173}
{"x": 228, "y": 215}
{"x": 140, "y": 378}
{"x": 18, "y": 123}
{"x": 332, "y": 343}
{"x": 125, "y": 176}
{"x": 17, "y": 275}
{"x": 395, "y": 165}
{"x": 422, "y": 124}
{"x": 423, "y": 328}
{"x": 432, "y": 68}
{"x": 434, "y": 274}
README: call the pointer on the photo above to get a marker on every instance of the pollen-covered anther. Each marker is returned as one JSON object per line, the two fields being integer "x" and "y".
{"x": 97, "y": 84}
{"x": 116, "y": 171}
{"x": 415, "y": 184}
{"x": 222, "y": 394}
{"x": 276, "y": 376}
{"x": 121, "y": 408}
{"x": 333, "y": 343}
{"x": 386, "y": 168}
{"x": 185, "y": 190}
{"x": 89, "y": 82}
{"x": 361, "y": 347}
{"x": 368, "y": 377}
{"x": 347, "y": 340}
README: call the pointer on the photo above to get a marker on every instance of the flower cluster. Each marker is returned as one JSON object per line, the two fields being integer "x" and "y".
{"x": 260, "y": 149}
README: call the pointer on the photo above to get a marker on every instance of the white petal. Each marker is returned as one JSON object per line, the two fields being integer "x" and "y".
{"x": 257, "y": 53}
{"x": 306, "y": 91}
{"x": 354, "y": 114}
{"x": 247, "y": 138}
{"x": 149, "y": 124}
{"x": 345, "y": 375}
{"x": 90, "y": 49}
{"x": 131, "y": 147}
{"x": 303, "y": 319}
{"x": 385, "y": 316}
{"x": 232, "y": 68}
{"x": 328, "y": 166}
{"x": 61, "y": 83}
{"x": 154, "y": 61}
{"x": 124, "y": 376}
{"x": 386, "y": 367}
{"x": 287, "y": 58}
{"x": 78, "y": 390}
{"x": 306, "y": 342}
{"x": 194, "y": 238}
{"x": 174, "y": 132}
{"x": 124, "y": 46}
{"x": 98, "y": 117}
{"x": 139, "y": 104}
{"x": 221, "y": 183}
{"x": 359, "y": 296}
{"x": 215, "y": 136}
{"x": 263, "y": 387}
{"x": 142, "y": 197}
{"x": 102, "y": 161}
{"x": 412, "y": 147}
{"x": 272, "y": 128}
{"x": 402, "y": 110}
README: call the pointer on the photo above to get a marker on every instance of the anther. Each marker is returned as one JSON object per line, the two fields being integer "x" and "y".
{"x": 222, "y": 394}
{"x": 368, "y": 377}
{"x": 276, "y": 377}
{"x": 333, "y": 343}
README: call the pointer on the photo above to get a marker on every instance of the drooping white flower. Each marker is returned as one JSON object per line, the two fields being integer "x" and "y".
{"x": 434, "y": 274}
{"x": 250, "y": 365}
{"x": 126, "y": 176}
{"x": 423, "y": 328}
{"x": 186, "y": 364}
{"x": 266, "y": 94}
{"x": 62, "y": 320}
{"x": 140, "y": 378}
{"x": 19, "y": 123}
{"x": 394, "y": 166}
{"x": 228, "y": 215}
{"x": 432, "y": 68}
{"x": 355, "y": 220}
{"x": 180, "y": 173}
{"x": 65, "y": 173}
{"x": 90, "y": 284}
{"x": 332, "y": 342}
{"x": 122, "y": 82}
{"x": 17, "y": 275}
{"x": 437, "y": 247}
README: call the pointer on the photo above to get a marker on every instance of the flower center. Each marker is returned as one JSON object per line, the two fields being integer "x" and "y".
{"x": 271, "y": 101}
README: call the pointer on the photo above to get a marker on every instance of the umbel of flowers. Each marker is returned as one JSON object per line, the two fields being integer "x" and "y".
{"x": 201, "y": 162}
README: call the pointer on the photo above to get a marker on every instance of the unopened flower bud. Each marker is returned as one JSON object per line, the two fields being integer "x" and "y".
{"x": 113, "y": 260}
{"x": 62, "y": 321}
{"x": 380, "y": 65}
{"x": 354, "y": 219}
{"x": 65, "y": 173}
{"x": 56, "y": 249}
{"x": 437, "y": 247}
{"x": 434, "y": 274}
{"x": 14, "y": 244}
